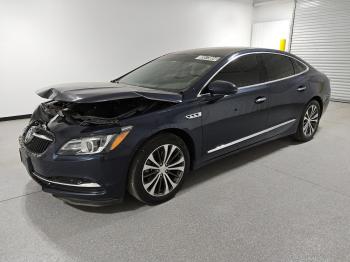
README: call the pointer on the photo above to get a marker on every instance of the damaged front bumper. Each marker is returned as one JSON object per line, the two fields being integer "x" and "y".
{"x": 94, "y": 180}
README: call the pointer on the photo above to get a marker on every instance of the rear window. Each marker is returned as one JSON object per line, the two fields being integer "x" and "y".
{"x": 298, "y": 66}
{"x": 277, "y": 66}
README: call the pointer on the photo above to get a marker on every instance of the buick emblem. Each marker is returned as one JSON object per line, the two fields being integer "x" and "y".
{"x": 29, "y": 135}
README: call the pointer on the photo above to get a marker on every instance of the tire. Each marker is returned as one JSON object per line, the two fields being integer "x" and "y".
{"x": 309, "y": 122}
{"x": 154, "y": 179}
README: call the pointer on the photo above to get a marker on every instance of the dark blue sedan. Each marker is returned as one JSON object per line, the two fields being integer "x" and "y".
{"x": 144, "y": 131}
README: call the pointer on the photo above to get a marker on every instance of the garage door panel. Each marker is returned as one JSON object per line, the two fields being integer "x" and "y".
{"x": 321, "y": 37}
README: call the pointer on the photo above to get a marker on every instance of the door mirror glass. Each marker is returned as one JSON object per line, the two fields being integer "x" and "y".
{"x": 220, "y": 87}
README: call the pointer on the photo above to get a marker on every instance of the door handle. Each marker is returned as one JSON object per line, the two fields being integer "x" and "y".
{"x": 301, "y": 88}
{"x": 260, "y": 99}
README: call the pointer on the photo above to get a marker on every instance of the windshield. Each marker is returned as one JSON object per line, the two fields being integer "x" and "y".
{"x": 174, "y": 72}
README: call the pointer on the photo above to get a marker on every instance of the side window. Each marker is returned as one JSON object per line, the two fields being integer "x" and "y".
{"x": 244, "y": 71}
{"x": 298, "y": 67}
{"x": 277, "y": 66}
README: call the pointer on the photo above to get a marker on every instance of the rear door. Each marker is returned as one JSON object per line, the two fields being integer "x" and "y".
{"x": 235, "y": 121}
{"x": 286, "y": 86}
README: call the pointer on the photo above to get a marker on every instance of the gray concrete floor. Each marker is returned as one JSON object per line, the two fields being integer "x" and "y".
{"x": 281, "y": 201}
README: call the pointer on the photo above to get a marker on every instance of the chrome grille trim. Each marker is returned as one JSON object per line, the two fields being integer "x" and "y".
{"x": 42, "y": 137}
{"x": 85, "y": 185}
{"x": 39, "y": 138}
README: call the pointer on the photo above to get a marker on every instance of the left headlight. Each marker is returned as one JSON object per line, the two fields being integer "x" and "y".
{"x": 94, "y": 144}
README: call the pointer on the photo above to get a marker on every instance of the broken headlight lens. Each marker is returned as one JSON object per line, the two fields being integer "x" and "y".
{"x": 94, "y": 144}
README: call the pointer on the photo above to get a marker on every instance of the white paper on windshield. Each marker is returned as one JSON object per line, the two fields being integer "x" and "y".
{"x": 208, "y": 58}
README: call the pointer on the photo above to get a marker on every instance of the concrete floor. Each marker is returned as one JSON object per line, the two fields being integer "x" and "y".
{"x": 281, "y": 201}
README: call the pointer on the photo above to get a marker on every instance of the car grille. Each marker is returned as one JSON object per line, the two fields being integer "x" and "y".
{"x": 36, "y": 139}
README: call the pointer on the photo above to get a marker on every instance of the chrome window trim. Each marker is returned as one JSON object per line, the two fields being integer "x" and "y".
{"x": 250, "y": 136}
{"x": 236, "y": 56}
{"x": 85, "y": 185}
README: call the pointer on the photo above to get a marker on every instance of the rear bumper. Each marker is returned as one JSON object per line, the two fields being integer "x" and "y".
{"x": 95, "y": 180}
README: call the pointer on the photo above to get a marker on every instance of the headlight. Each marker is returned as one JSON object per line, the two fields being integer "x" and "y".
{"x": 94, "y": 144}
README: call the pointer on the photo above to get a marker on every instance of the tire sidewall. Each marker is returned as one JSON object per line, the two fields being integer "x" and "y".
{"x": 135, "y": 175}
{"x": 301, "y": 134}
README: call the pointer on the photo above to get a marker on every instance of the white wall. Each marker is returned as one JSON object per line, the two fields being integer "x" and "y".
{"x": 273, "y": 11}
{"x": 271, "y": 23}
{"x": 269, "y": 34}
{"x": 44, "y": 42}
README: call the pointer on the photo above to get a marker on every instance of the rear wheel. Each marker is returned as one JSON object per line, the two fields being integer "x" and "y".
{"x": 309, "y": 121}
{"x": 158, "y": 169}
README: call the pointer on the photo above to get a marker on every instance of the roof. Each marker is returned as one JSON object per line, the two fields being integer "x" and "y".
{"x": 225, "y": 51}
{"x": 213, "y": 51}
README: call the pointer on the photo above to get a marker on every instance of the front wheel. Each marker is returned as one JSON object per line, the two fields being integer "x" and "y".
{"x": 309, "y": 121}
{"x": 158, "y": 169}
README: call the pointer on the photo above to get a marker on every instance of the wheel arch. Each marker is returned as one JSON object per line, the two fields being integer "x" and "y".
{"x": 319, "y": 100}
{"x": 186, "y": 137}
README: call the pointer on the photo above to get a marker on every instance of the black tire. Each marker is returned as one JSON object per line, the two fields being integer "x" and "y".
{"x": 301, "y": 135}
{"x": 138, "y": 176}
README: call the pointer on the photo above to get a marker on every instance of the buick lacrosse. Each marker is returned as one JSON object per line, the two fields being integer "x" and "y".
{"x": 143, "y": 132}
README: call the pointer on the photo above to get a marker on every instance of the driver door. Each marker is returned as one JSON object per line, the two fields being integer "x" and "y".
{"x": 236, "y": 120}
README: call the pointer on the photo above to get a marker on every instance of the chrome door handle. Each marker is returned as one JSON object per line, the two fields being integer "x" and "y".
{"x": 301, "y": 88}
{"x": 260, "y": 99}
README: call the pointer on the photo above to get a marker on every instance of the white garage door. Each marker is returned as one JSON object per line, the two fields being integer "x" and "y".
{"x": 321, "y": 36}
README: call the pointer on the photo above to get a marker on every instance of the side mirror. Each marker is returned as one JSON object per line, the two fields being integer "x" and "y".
{"x": 220, "y": 87}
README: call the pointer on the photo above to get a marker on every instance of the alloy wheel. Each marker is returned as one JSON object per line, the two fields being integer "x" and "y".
{"x": 310, "y": 120}
{"x": 163, "y": 170}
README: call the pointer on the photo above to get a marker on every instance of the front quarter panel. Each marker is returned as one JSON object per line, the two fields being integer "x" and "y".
{"x": 172, "y": 119}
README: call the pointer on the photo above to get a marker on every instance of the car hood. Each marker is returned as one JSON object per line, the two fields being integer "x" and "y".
{"x": 93, "y": 92}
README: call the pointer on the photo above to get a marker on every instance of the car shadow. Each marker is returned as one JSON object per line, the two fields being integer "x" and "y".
{"x": 129, "y": 203}
{"x": 235, "y": 161}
